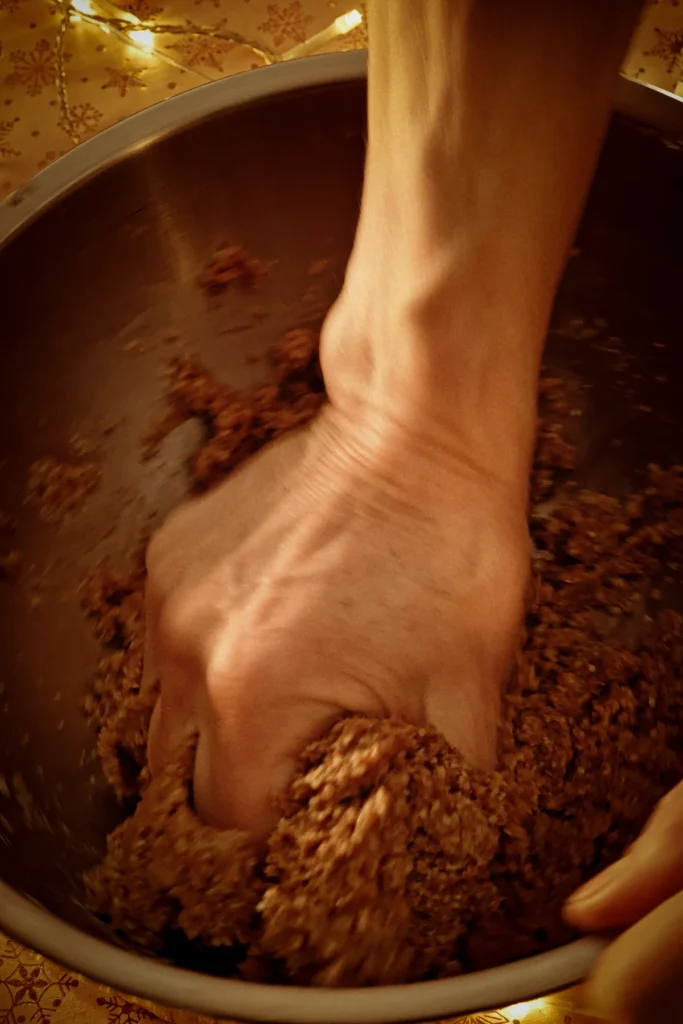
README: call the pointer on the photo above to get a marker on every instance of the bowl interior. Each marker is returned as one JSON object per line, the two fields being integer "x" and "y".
{"x": 100, "y": 291}
{"x": 98, "y": 295}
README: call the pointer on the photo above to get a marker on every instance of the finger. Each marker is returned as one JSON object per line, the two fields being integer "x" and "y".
{"x": 245, "y": 761}
{"x": 639, "y": 978}
{"x": 173, "y": 718}
{"x": 148, "y": 683}
{"x": 150, "y": 676}
{"x": 173, "y": 666}
{"x": 468, "y": 724}
{"x": 168, "y": 733}
{"x": 651, "y": 872}
{"x": 155, "y": 745}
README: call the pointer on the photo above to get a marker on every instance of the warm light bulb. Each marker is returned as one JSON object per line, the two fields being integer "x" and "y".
{"x": 522, "y": 1010}
{"x": 519, "y": 1011}
{"x": 339, "y": 27}
{"x": 143, "y": 37}
{"x": 345, "y": 22}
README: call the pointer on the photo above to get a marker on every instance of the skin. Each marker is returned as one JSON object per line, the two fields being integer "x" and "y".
{"x": 638, "y": 978}
{"x": 377, "y": 561}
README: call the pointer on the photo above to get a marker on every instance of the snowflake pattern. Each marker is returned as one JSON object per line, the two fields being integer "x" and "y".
{"x": 285, "y": 22}
{"x": 145, "y": 10}
{"x": 31, "y": 990}
{"x": 203, "y": 51}
{"x": 33, "y": 69}
{"x": 85, "y": 120}
{"x": 669, "y": 47}
{"x": 9, "y": 7}
{"x": 6, "y": 151}
{"x": 121, "y": 1011}
{"x": 124, "y": 78}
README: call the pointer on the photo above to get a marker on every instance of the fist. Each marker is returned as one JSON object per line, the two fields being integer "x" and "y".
{"x": 347, "y": 568}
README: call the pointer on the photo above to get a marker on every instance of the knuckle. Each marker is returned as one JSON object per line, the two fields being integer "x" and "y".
{"x": 239, "y": 683}
{"x": 181, "y": 621}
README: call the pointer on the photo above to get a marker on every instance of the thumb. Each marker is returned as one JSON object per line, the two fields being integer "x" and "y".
{"x": 650, "y": 873}
{"x": 639, "y": 978}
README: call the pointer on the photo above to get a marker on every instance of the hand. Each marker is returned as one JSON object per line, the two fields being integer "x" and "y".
{"x": 639, "y": 979}
{"x": 350, "y": 567}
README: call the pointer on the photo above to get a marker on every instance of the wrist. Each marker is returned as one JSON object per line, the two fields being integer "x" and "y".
{"x": 431, "y": 368}
{"x": 407, "y": 471}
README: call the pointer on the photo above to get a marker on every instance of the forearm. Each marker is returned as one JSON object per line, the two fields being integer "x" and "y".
{"x": 485, "y": 121}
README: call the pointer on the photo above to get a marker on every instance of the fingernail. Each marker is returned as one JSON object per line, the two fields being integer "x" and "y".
{"x": 600, "y": 886}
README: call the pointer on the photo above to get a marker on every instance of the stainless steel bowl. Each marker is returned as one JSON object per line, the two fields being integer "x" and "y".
{"x": 98, "y": 261}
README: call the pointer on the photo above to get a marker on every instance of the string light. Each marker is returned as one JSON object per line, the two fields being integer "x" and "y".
{"x": 112, "y": 20}
{"x": 552, "y": 1007}
{"x": 347, "y": 22}
{"x": 143, "y": 37}
{"x": 521, "y": 1010}
{"x": 142, "y": 34}
{"x": 341, "y": 26}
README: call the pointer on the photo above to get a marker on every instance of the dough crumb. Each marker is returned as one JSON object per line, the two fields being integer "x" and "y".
{"x": 60, "y": 488}
{"x": 232, "y": 263}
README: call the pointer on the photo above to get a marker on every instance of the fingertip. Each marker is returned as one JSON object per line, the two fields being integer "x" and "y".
{"x": 602, "y": 902}
{"x": 154, "y": 738}
{"x": 650, "y": 873}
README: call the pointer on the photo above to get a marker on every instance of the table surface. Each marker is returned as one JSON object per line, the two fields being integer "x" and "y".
{"x": 62, "y": 79}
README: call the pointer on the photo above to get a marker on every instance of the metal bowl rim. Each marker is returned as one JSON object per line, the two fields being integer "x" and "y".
{"x": 165, "y": 983}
